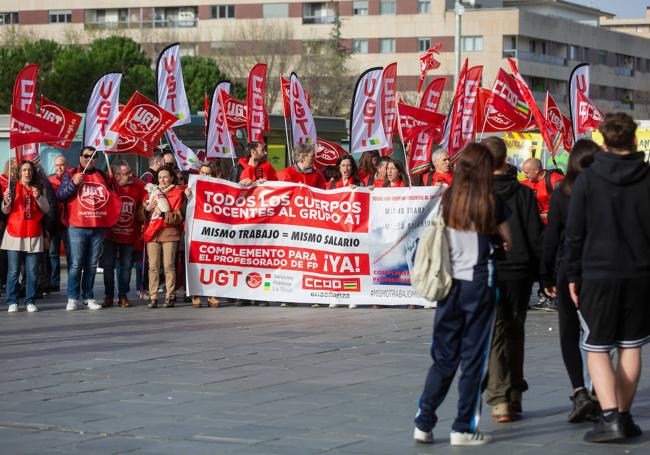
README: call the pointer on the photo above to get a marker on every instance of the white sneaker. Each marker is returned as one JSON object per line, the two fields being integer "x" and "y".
{"x": 13, "y": 308}
{"x": 92, "y": 304}
{"x": 352, "y": 306}
{"x": 333, "y": 305}
{"x": 31, "y": 308}
{"x": 456, "y": 438}
{"x": 429, "y": 306}
{"x": 424, "y": 437}
{"x": 72, "y": 305}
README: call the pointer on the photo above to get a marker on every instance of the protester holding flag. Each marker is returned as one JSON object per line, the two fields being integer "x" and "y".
{"x": 155, "y": 162}
{"x": 475, "y": 219}
{"x": 347, "y": 174}
{"x": 121, "y": 238}
{"x": 303, "y": 171}
{"x": 254, "y": 166}
{"x": 542, "y": 182}
{"x": 395, "y": 175}
{"x": 163, "y": 232}
{"x": 60, "y": 166}
{"x": 515, "y": 272}
{"x": 90, "y": 208}
{"x": 556, "y": 284}
{"x": 609, "y": 271}
{"x": 379, "y": 177}
{"x": 440, "y": 170}
{"x": 368, "y": 163}
{"x": 25, "y": 205}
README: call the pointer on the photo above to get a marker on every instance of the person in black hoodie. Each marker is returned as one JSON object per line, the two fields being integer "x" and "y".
{"x": 608, "y": 242}
{"x": 554, "y": 278}
{"x": 515, "y": 272}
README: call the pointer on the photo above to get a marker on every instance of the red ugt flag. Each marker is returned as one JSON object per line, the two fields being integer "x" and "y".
{"x": 428, "y": 62}
{"x": 143, "y": 119}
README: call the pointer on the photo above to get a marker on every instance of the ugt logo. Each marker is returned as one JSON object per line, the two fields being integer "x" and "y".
{"x": 143, "y": 120}
{"x": 92, "y": 195}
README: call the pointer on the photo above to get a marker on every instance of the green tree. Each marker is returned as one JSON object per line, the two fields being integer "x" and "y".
{"x": 200, "y": 75}
{"x": 71, "y": 79}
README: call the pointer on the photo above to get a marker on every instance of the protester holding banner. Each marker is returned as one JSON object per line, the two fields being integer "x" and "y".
{"x": 475, "y": 217}
{"x": 440, "y": 169}
{"x": 303, "y": 171}
{"x": 121, "y": 238}
{"x": 556, "y": 284}
{"x": 60, "y": 166}
{"x": 154, "y": 164}
{"x": 255, "y": 168}
{"x": 368, "y": 164}
{"x": 162, "y": 233}
{"x": 90, "y": 208}
{"x": 515, "y": 272}
{"x": 395, "y": 175}
{"x": 379, "y": 177}
{"x": 25, "y": 205}
{"x": 347, "y": 174}
{"x": 609, "y": 271}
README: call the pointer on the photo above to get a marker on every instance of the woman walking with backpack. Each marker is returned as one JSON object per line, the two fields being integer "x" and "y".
{"x": 475, "y": 220}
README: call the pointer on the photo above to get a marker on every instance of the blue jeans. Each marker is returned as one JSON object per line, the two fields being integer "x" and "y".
{"x": 85, "y": 246}
{"x": 140, "y": 271}
{"x": 125, "y": 252}
{"x": 13, "y": 274}
{"x": 55, "y": 257}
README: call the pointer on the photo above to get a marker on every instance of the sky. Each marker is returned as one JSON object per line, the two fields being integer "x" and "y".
{"x": 622, "y": 8}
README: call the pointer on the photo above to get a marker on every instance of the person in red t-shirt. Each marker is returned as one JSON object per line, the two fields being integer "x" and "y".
{"x": 542, "y": 182}
{"x": 303, "y": 171}
{"x": 440, "y": 170}
{"x": 395, "y": 175}
{"x": 120, "y": 240}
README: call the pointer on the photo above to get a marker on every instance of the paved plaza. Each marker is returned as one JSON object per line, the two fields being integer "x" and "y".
{"x": 256, "y": 380}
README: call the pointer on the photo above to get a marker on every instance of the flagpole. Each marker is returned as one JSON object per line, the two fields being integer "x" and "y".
{"x": 286, "y": 134}
{"x": 406, "y": 163}
{"x": 108, "y": 164}
{"x": 89, "y": 161}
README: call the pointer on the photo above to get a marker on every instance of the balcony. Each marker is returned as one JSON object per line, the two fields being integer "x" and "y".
{"x": 153, "y": 23}
{"x": 318, "y": 19}
{"x": 623, "y": 71}
{"x": 534, "y": 57}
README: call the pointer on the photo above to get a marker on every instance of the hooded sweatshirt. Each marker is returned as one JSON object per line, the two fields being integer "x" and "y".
{"x": 526, "y": 228}
{"x": 608, "y": 229}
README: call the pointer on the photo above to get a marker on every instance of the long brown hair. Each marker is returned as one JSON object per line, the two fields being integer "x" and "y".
{"x": 468, "y": 204}
{"x": 581, "y": 156}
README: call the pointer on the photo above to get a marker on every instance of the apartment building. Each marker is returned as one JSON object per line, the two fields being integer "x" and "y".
{"x": 546, "y": 37}
{"x": 637, "y": 26}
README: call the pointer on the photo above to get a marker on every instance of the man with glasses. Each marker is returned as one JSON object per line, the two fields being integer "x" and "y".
{"x": 90, "y": 208}
{"x": 120, "y": 239}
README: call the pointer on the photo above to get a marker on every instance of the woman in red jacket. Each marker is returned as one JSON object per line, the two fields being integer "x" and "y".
{"x": 395, "y": 175}
{"x": 347, "y": 173}
{"x": 25, "y": 204}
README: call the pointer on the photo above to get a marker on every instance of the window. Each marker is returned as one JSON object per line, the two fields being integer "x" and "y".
{"x": 471, "y": 43}
{"x": 424, "y": 6}
{"x": 386, "y": 6}
{"x": 317, "y": 13}
{"x": 424, "y": 44}
{"x": 62, "y": 16}
{"x": 360, "y": 8}
{"x": 222, "y": 12}
{"x": 271, "y": 10}
{"x": 387, "y": 45}
{"x": 602, "y": 57}
{"x": 8, "y": 18}
{"x": 360, "y": 46}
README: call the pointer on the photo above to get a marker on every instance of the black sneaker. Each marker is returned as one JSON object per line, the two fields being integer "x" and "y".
{"x": 605, "y": 431}
{"x": 584, "y": 408}
{"x": 631, "y": 429}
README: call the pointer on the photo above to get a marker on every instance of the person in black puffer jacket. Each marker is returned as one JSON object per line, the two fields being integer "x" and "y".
{"x": 515, "y": 272}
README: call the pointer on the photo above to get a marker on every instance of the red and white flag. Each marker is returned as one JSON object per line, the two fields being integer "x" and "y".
{"x": 27, "y": 128}
{"x": 589, "y": 116}
{"x": 171, "y": 89}
{"x": 67, "y": 120}
{"x": 578, "y": 82}
{"x": 568, "y": 139}
{"x": 389, "y": 106}
{"x": 185, "y": 156}
{"x": 432, "y": 94}
{"x": 143, "y": 119}
{"x": 428, "y": 62}
{"x": 366, "y": 122}
{"x": 327, "y": 153}
{"x": 556, "y": 122}
{"x": 24, "y": 100}
{"x": 129, "y": 144}
{"x": 303, "y": 127}
{"x": 219, "y": 140}
{"x": 419, "y": 128}
{"x": 462, "y": 127}
{"x": 257, "y": 117}
{"x": 285, "y": 89}
{"x": 530, "y": 101}
{"x": 101, "y": 113}
{"x": 236, "y": 111}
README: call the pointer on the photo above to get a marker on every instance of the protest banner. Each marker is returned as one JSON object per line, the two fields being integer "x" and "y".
{"x": 291, "y": 243}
